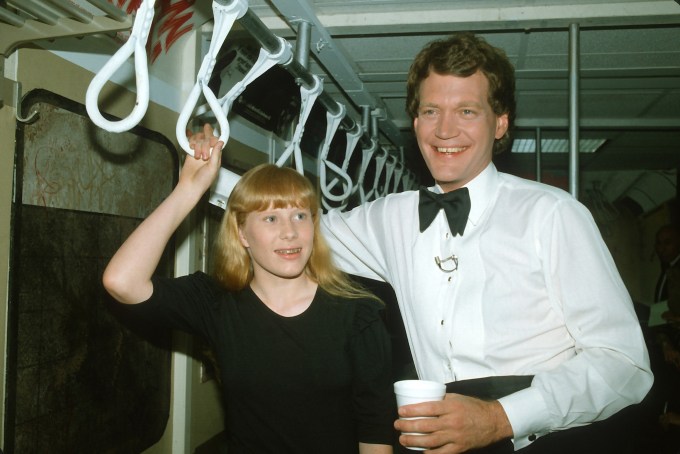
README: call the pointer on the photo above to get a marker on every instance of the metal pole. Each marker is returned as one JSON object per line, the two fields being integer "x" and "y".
{"x": 538, "y": 154}
{"x": 366, "y": 117}
{"x": 573, "y": 109}
{"x": 304, "y": 38}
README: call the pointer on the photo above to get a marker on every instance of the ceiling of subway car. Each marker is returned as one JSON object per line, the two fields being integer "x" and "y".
{"x": 628, "y": 69}
{"x": 628, "y": 73}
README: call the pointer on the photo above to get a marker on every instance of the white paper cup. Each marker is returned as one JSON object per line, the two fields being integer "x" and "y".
{"x": 416, "y": 391}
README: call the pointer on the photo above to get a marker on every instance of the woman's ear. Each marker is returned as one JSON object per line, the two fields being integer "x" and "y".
{"x": 242, "y": 237}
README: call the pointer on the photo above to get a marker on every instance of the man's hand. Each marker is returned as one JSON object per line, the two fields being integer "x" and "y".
{"x": 456, "y": 424}
{"x": 669, "y": 419}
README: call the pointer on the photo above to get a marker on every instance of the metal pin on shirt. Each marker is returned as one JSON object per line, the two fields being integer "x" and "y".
{"x": 452, "y": 259}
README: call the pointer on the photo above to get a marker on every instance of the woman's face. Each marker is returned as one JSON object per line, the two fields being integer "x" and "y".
{"x": 279, "y": 240}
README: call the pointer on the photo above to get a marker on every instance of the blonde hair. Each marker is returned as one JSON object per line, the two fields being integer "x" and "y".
{"x": 270, "y": 186}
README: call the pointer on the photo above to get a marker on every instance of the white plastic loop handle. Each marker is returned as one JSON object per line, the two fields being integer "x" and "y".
{"x": 332, "y": 124}
{"x": 398, "y": 172}
{"x": 352, "y": 139}
{"x": 307, "y": 99}
{"x": 409, "y": 180}
{"x": 379, "y": 165}
{"x": 389, "y": 171}
{"x": 135, "y": 44}
{"x": 225, "y": 16}
{"x": 264, "y": 62}
{"x": 366, "y": 156}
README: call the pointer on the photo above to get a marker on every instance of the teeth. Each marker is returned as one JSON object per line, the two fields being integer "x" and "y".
{"x": 450, "y": 150}
{"x": 289, "y": 251}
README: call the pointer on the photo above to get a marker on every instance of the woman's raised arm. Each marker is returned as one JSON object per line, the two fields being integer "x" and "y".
{"x": 128, "y": 275}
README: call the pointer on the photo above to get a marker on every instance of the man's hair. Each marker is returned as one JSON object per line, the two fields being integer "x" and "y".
{"x": 462, "y": 55}
{"x": 264, "y": 187}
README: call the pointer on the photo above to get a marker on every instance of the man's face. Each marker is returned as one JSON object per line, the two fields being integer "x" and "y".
{"x": 667, "y": 245}
{"x": 456, "y": 127}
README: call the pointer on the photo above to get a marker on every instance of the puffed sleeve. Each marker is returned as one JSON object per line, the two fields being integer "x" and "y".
{"x": 186, "y": 303}
{"x": 373, "y": 398}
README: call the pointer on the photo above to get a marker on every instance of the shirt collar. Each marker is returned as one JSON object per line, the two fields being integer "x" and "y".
{"x": 482, "y": 188}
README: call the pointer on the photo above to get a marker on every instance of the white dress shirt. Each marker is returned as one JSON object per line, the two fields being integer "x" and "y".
{"x": 536, "y": 292}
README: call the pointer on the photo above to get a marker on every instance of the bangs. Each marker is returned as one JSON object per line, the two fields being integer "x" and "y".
{"x": 273, "y": 187}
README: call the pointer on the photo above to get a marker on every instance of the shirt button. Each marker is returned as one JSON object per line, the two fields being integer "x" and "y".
{"x": 449, "y": 278}
{"x": 442, "y": 323}
{"x": 532, "y": 437}
{"x": 447, "y": 234}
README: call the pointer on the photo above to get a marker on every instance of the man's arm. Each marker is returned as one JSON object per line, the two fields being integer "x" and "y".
{"x": 607, "y": 369}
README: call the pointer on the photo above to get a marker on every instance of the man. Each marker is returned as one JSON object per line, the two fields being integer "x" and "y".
{"x": 667, "y": 248}
{"x": 518, "y": 302}
{"x": 665, "y": 339}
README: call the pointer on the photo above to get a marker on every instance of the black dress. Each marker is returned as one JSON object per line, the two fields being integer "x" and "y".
{"x": 318, "y": 382}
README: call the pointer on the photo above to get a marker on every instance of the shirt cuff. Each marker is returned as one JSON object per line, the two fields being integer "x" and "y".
{"x": 528, "y": 414}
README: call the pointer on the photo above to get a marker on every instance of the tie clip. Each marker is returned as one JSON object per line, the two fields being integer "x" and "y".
{"x": 453, "y": 259}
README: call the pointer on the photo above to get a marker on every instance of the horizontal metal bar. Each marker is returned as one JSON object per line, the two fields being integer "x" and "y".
{"x": 12, "y": 37}
{"x": 11, "y": 18}
{"x": 112, "y": 11}
{"x": 37, "y": 10}
{"x": 76, "y": 12}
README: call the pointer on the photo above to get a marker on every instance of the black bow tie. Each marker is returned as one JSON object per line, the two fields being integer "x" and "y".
{"x": 456, "y": 205}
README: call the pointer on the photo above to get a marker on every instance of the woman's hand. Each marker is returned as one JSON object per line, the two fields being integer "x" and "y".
{"x": 199, "y": 171}
{"x": 203, "y": 142}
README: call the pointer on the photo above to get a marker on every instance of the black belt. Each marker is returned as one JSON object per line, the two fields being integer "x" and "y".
{"x": 491, "y": 388}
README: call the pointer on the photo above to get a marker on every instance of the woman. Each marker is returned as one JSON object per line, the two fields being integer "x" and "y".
{"x": 303, "y": 355}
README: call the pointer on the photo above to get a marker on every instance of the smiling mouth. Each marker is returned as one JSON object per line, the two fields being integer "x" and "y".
{"x": 296, "y": 250}
{"x": 450, "y": 150}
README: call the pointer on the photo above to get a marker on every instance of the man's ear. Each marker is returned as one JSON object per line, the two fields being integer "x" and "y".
{"x": 501, "y": 125}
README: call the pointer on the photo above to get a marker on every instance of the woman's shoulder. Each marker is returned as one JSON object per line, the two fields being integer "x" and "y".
{"x": 195, "y": 279}
{"x": 362, "y": 311}
{"x": 197, "y": 286}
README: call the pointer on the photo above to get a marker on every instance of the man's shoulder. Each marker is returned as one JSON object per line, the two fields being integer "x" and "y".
{"x": 531, "y": 188}
{"x": 392, "y": 201}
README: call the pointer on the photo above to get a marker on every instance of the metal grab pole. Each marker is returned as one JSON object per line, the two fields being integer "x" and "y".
{"x": 573, "y": 109}
{"x": 539, "y": 150}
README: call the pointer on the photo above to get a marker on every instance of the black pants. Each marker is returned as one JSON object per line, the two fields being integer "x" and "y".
{"x": 619, "y": 434}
